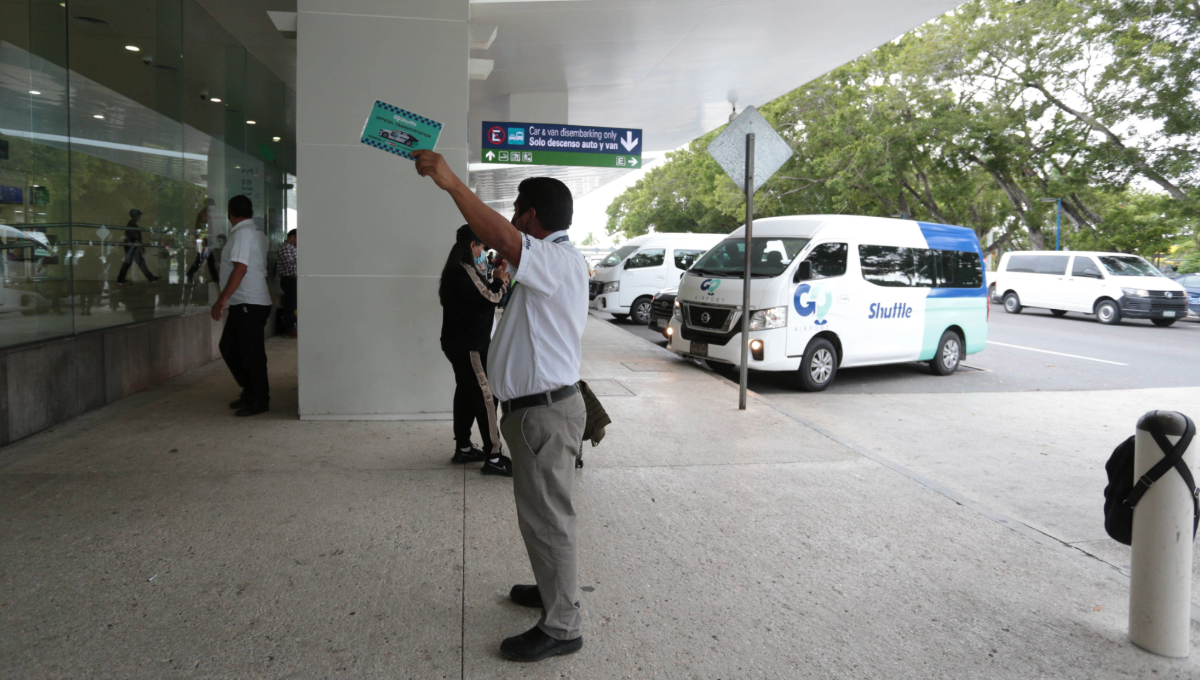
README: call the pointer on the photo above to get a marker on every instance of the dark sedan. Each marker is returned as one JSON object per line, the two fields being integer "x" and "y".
{"x": 1190, "y": 283}
{"x": 661, "y": 309}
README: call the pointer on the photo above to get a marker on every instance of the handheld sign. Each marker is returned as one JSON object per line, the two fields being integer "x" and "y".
{"x": 397, "y": 131}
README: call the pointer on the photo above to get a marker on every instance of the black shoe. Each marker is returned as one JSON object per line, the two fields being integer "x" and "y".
{"x": 152, "y": 279}
{"x": 253, "y": 409}
{"x": 526, "y": 596}
{"x": 239, "y": 403}
{"x": 535, "y": 645}
{"x": 502, "y": 467}
{"x": 472, "y": 456}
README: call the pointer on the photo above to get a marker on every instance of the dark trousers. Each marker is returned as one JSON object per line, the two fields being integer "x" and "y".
{"x": 243, "y": 346}
{"x": 132, "y": 255}
{"x": 473, "y": 400}
{"x": 287, "y": 312}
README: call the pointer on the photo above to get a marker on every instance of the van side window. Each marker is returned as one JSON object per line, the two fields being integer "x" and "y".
{"x": 1025, "y": 264}
{"x": 651, "y": 257}
{"x": 888, "y": 265}
{"x": 684, "y": 259}
{"x": 828, "y": 260}
{"x": 1083, "y": 266}
{"x": 958, "y": 269}
{"x": 1052, "y": 264}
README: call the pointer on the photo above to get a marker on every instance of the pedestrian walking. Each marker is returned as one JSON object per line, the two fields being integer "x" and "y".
{"x": 244, "y": 292}
{"x": 206, "y": 256}
{"x": 534, "y": 369}
{"x": 133, "y": 249}
{"x": 287, "y": 281}
{"x": 468, "y": 311}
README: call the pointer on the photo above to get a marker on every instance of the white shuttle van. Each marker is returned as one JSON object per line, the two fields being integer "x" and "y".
{"x": 1113, "y": 286}
{"x": 625, "y": 282}
{"x": 832, "y": 291}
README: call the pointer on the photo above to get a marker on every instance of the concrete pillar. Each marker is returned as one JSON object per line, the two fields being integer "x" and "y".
{"x": 538, "y": 107}
{"x": 375, "y": 234}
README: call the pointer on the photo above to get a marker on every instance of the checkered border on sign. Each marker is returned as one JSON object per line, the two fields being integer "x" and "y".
{"x": 408, "y": 114}
{"x": 386, "y": 147}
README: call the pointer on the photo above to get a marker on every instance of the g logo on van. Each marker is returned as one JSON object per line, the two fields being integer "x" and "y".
{"x": 710, "y": 286}
{"x": 811, "y": 306}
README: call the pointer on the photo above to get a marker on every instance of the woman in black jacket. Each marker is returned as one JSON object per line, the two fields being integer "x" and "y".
{"x": 468, "y": 309}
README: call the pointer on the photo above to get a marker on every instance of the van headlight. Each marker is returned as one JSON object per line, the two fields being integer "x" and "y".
{"x": 775, "y": 317}
{"x": 1136, "y": 292}
{"x": 611, "y": 287}
{"x": 677, "y": 311}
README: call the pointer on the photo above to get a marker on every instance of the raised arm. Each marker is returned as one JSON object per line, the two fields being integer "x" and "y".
{"x": 489, "y": 225}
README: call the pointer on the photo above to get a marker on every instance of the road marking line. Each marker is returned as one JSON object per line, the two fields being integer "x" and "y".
{"x": 1060, "y": 354}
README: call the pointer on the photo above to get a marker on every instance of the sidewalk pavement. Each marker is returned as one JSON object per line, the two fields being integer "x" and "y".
{"x": 161, "y": 537}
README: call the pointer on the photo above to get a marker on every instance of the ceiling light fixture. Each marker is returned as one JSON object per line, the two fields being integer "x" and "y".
{"x": 252, "y": 122}
{"x": 276, "y": 139}
{"x": 98, "y": 115}
{"x": 133, "y": 48}
{"x": 215, "y": 100}
{"x": 34, "y": 92}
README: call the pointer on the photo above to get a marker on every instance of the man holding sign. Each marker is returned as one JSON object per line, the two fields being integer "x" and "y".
{"x": 534, "y": 369}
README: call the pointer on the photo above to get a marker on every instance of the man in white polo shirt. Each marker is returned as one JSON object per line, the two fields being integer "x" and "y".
{"x": 244, "y": 291}
{"x": 533, "y": 367}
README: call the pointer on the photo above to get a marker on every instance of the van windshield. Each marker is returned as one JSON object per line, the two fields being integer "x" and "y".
{"x": 614, "y": 258}
{"x": 769, "y": 257}
{"x": 1128, "y": 265}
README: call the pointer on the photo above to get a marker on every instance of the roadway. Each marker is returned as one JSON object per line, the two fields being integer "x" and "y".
{"x": 1023, "y": 429}
{"x": 1026, "y": 352}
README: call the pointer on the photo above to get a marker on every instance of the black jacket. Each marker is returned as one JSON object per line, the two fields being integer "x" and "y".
{"x": 468, "y": 309}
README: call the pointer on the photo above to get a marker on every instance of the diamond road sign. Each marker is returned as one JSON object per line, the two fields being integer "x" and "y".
{"x": 553, "y": 144}
{"x": 729, "y": 149}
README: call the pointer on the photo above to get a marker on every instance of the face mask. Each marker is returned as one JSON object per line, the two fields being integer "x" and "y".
{"x": 481, "y": 261}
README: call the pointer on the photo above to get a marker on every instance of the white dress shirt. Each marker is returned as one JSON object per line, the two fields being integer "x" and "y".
{"x": 248, "y": 246}
{"x": 538, "y": 344}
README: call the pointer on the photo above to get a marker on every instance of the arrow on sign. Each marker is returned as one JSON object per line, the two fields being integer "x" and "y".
{"x": 490, "y": 155}
{"x": 633, "y": 161}
{"x": 630, "y": 141}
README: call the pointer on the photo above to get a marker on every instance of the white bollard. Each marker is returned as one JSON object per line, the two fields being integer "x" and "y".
{"x": 1160, "y": 593}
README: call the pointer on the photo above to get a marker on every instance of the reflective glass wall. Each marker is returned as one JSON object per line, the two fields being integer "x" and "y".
{"x": 125, "y": 127}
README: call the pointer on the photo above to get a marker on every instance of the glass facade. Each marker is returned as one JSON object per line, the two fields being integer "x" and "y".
{"x": 125, "y": 127}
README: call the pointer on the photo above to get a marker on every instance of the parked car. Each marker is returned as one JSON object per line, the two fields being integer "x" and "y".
{"x": 835, "y": 291}
{"x": 625, "y": 282}
{"x": 1113, "y": 286}
{"x": 1190, "y": 283}
{"x": 661, "y": 310}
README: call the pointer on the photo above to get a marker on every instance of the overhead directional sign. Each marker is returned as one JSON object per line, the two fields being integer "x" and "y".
{"x": 554, "y": 144}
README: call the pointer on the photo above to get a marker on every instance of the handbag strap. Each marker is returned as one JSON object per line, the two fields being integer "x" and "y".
{"x": 1172, "y": 458}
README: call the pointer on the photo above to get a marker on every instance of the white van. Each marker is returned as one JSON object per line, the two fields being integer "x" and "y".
{"x": 836, "y": 291}
{"x": 625, "y": 282}
{"x": 1112, "y": 286}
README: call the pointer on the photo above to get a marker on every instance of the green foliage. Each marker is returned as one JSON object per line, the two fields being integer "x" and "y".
{"x": 973, "y": 118}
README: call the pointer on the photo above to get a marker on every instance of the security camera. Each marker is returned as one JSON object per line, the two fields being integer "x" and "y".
{"x": 148, "y": 59}
{"x": 204, "y": 95}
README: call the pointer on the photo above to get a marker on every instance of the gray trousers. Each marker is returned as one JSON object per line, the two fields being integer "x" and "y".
{"x": 543, "y": 442}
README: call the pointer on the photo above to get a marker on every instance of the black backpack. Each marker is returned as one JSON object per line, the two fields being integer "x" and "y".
{"x": 1122, "y": 493}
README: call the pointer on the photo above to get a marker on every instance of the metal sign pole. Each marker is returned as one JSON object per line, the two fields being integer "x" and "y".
{"x": 746, "y": 283}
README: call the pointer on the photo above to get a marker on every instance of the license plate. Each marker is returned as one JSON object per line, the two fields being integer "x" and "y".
{"x": 700, "y": 349}
{"x": 662, "y": 323}
{"x": 1169, "y": 315}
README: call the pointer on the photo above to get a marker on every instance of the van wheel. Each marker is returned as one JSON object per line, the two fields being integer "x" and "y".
{"x": 949, "y": 353}
{"x": 1012, "y": 304}
{"x": 993, "y": 294}
{"x": 819, "y": 365}
{"x": 641, "y": 310}
{"x": 1058, "y": 312}
{"x": 1108, "y": 313}
{"x": 1162, "y": 322}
